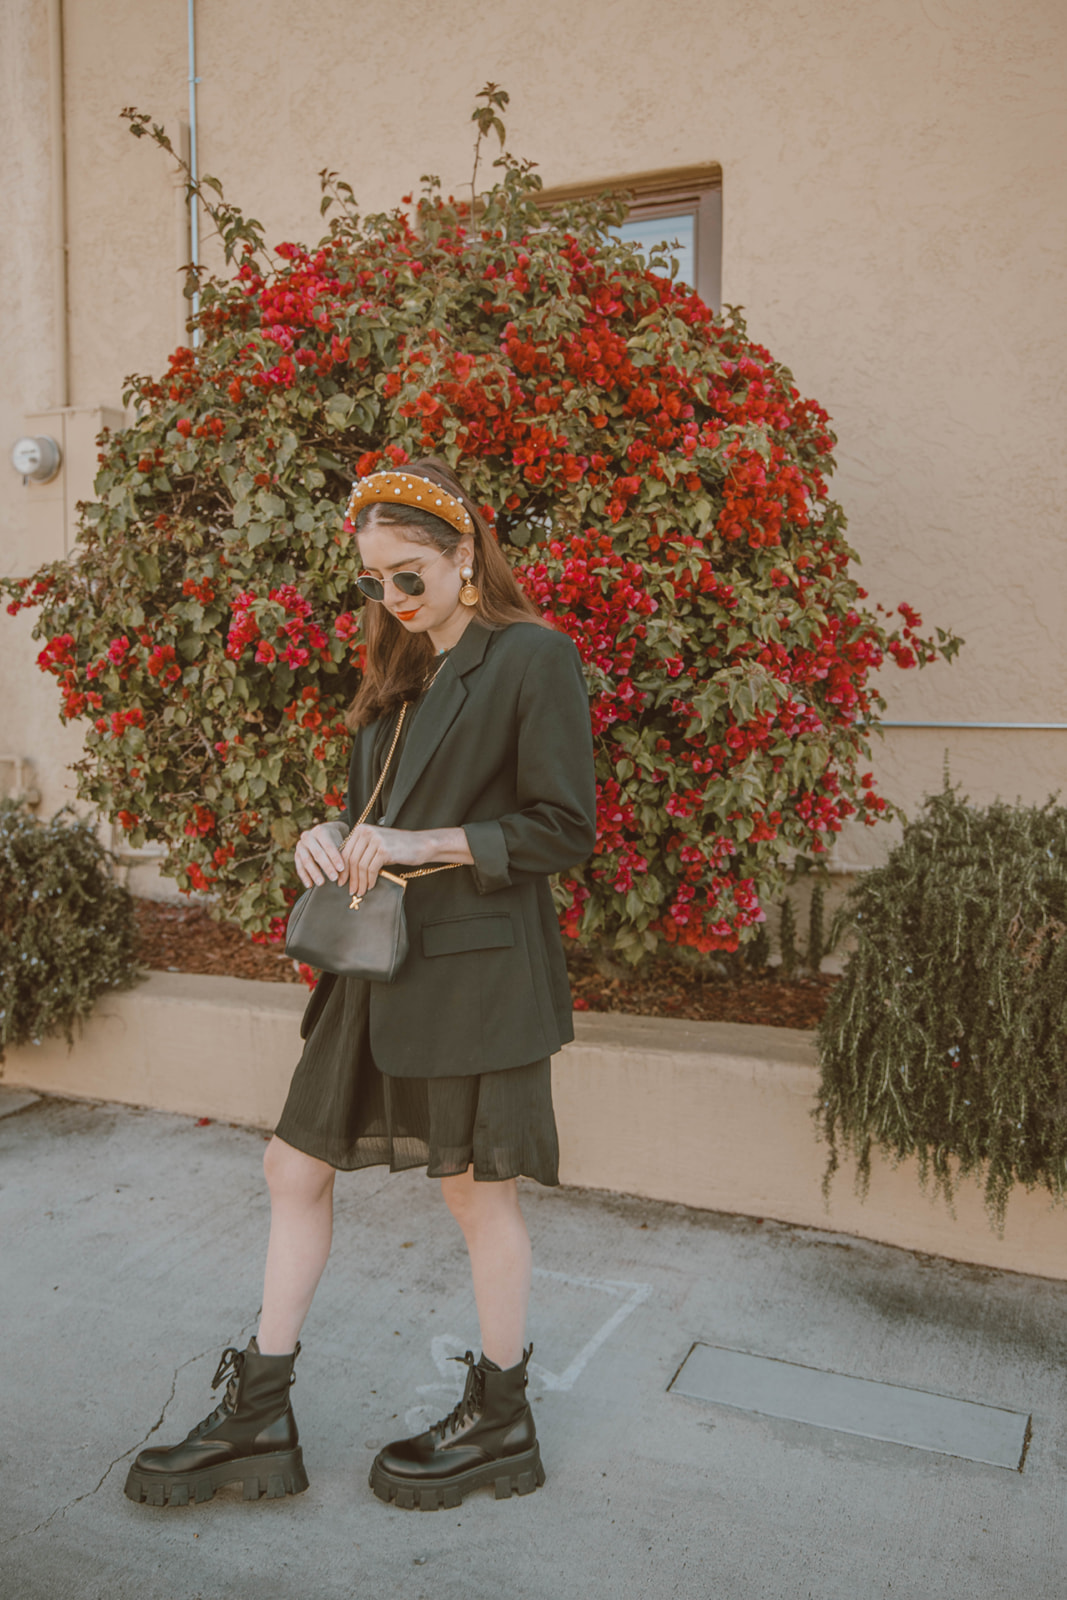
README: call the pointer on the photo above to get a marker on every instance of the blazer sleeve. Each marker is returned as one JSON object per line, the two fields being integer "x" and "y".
{"x": 555, "y": 825}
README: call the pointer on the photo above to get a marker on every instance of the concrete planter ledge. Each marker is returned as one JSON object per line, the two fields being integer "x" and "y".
{"x": 713, "y": 1115}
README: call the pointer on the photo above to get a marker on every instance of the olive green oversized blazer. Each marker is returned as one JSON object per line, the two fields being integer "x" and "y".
{"x": 502, "y": 747}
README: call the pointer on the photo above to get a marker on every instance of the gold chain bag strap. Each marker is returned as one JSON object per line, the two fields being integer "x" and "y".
{"x": 356, "y": 936}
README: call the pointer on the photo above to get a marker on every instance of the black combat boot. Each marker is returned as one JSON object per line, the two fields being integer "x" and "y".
{"x": 251, "y": 1435}
{"x": 488, "y": 1438}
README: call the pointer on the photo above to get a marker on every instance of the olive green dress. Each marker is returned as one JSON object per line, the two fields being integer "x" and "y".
{"x": 346, "y": 1112}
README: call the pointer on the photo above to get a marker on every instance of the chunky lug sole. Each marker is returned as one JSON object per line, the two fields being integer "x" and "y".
{"x": 513, "y": 1475}
{"x": 274, "y": 1476}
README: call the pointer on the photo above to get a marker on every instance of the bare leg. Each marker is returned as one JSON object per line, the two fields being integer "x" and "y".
{"x": 500, "y": 1255}
{"x": 301, "y": 1228}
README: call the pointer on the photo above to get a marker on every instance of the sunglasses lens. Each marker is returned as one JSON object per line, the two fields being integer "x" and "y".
{"x": 406, "y": 582}
{"x": 409, "y": 583}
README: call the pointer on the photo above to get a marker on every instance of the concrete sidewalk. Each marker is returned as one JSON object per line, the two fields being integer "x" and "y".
{"x": 132, "y": 1254}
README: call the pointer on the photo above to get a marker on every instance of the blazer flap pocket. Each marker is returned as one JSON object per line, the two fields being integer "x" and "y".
{"x": 467, "y": 933}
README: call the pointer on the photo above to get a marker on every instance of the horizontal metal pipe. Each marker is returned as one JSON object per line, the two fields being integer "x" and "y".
{"x": 1045, "y": 727}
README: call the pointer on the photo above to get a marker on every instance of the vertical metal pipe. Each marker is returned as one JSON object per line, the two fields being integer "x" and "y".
{"x": 57, "y": 129}
{"x": 183, "y": 248}
{"x": 194, "y": 171}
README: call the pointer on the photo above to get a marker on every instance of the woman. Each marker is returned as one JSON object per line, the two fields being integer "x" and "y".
{"x": 491, "y": 773}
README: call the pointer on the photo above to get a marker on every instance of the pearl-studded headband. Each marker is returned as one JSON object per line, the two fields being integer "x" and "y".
{"x": 407, "y": 489}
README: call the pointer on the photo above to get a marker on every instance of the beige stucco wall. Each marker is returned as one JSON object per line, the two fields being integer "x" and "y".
{"x": 894, "y": 226}
{"x": 712, "y": 1115}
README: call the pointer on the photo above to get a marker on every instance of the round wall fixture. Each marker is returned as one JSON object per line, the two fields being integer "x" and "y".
{"x": 37, "y": 460}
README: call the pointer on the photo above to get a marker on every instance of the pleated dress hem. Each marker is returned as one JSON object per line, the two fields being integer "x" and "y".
{"x": 439, "y": 1168}
{"x": 342, "y": 1109}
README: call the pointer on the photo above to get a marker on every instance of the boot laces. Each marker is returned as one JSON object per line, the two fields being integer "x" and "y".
{"x": 470, "y": 1402}
{"x": 230, "y": 1367}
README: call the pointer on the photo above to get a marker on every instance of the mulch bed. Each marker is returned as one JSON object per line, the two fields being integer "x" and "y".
{"x": 177, "y": 938}
{"x": 664, "y": 988}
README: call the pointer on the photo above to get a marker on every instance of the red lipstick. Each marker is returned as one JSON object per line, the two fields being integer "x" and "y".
{"x": 406, "y": 616}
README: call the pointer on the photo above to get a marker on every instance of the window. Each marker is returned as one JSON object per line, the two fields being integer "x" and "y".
{"x": 681, "y": 207}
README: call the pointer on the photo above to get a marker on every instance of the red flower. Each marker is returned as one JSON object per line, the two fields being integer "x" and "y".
{"x": 202, "y": 821}
{"x": 158, "y": 659}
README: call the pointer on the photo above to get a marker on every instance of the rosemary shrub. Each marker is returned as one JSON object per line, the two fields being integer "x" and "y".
{"x": 787, "y": 939}
{"x": 816, "y": 935}
{"x": 67, "y": 928}
{"x": 946, "y": 1038}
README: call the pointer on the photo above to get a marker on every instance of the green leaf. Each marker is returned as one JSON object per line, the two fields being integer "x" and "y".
{"x": 338, "y": 409}
{"x": 284, "y": 832}
{"x": 367, "y": 412}
{"x": 148, "y": 567}
{"x": 635, "y": 905}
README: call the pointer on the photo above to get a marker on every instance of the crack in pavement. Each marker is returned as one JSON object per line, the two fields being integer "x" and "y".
{"x": 27, "y": 1533}
{"x": 18, "y": 1111}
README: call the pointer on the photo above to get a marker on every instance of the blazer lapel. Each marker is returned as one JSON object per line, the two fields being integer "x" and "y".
{"x": 436, "y": 715}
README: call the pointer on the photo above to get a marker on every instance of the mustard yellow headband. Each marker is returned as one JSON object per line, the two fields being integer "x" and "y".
{"x": 407, "y": 489}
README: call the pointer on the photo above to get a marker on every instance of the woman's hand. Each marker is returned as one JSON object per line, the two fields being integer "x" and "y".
{"x": 318, "y": 854}
{"x": 370, "y": 849}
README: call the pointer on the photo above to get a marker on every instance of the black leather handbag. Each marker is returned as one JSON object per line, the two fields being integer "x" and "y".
{"x": 356, "y": 936}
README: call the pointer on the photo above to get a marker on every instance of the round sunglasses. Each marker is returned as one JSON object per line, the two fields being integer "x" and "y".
{"x": 407, "y": 582}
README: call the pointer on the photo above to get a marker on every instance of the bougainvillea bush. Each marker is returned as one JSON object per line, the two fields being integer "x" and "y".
{"x": 652, "y": 473}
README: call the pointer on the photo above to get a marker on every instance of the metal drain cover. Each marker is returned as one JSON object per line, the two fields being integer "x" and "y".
{"x": 888, "y": 1411}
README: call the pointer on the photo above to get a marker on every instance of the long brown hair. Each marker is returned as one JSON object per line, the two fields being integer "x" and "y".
{"x": 396, "y": 661}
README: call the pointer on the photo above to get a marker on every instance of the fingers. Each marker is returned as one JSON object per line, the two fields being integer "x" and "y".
{"x": 365, "y": 853}
{"x": 317, "y": 858}
{"x": 365, "y": 860}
